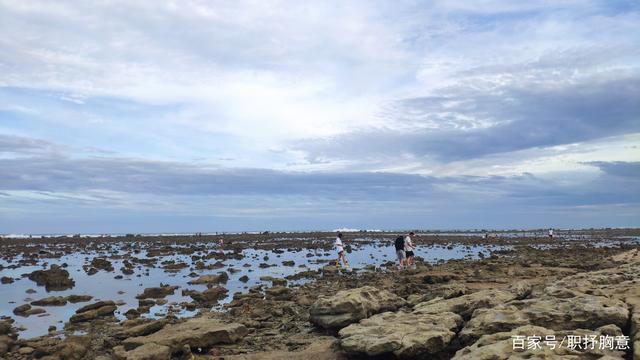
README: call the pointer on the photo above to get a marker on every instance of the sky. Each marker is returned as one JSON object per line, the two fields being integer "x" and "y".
{"x": 204, "y": 116}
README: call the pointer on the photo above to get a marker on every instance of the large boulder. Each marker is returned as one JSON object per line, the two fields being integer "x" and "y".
{"x": 201, "y": 332}
{"x": 26, "y": 310}
{"x": 78, "y": 298}
{"x": 321, "y": 349}
{"x": 465, "y": 305}
{"x": 447, "y": 291}
{"x": 635, "y": 334}
{"x": 157, "y": 292}
{"x": 51, "y": 301}
{"x": 405, "y": 335}
{"x": 6, "y": 326}
{"x": 501, "y": 346}
{"x": 349, "y": 306}
{"x": 208, "y": 297}
{"x": 585, "y": 312}
{"x": 5, "y": 344}
{"x": 489, "y": 321}
{"x": 278, "y": 293}
{"x": 50, "y": 348}
{"x": 223, "y": 277}
{"x": 102, "y": 264}
{"x": 54, "y": 279}
{"x": 580, "y": 312}
{"x": 94, "y": 311}
{"x": 144, "y": 352}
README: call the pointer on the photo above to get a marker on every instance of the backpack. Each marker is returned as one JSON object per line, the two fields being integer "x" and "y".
{"x": 399, "y": 243}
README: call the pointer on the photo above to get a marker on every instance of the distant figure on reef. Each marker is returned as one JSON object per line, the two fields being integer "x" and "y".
{"x": 408, "y": 249}
{"x": 402, "y": 259}
{"x": 221, "y": 245}
{"x": 340, "y": 250}
{"x": 550, "y": 233}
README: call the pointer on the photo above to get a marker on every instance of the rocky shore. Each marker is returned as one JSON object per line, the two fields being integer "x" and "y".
{"x": 546, "y": 296}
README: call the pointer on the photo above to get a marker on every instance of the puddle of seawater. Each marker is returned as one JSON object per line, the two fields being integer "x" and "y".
{"x": 103, "y": 285}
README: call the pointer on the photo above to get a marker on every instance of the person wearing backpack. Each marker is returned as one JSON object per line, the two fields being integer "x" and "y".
{"x": 399, "y": 244}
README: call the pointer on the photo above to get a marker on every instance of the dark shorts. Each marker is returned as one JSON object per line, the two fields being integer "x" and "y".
{"x": 409, "y": 253}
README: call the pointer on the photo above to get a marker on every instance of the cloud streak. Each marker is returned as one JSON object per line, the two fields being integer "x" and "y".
{"x": 472, "y": 124}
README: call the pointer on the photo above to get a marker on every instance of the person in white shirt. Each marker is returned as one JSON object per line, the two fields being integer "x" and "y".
{"x": 408, "y": 249}
{"x": 550, "y": 233}
{"x": 340, "y": 249}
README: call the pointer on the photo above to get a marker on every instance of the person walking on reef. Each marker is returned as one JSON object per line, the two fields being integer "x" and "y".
{"x": 340, "y": 250}
{"x": 408, "y": 249}
{"x": 550, "y": 233}
{"x": 399, "y": 244}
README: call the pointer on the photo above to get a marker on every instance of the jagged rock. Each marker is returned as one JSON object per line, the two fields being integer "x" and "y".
{"x": 278, "y": 282}
{"x": 143, "y": 329}
{"x": 349, "y": 306}
{"x": 73, "y": 348}
{"x": 6, "y": 280}
{"x": 26, "y": 350}
{"x": 93, "y": 311}
{"x": 466, "y": 304}
{"x": 405, "y": 335}
{"x": 26, "y": 310}
{"x": 175, "y": 267}
{"x": 103, "y": 357}
{"x": 580, "y": 312}
{"x": 132, "y": 314}
{"x": 278, "y": 293}
{"x": 5, "y": 344}
{"x": 320, "y": 349}
{"x": 102, "y": 264}
{"x": 453, "y": 290}
{"x": 446, "y": 292}
{"x": 207, "y": 297}
{"x": 51, "y": 301}
{"x": 635, "y": 333}
{"x": 54, "y": 279}
{"x": 500, "y": 346}
{"x": 521, "y": 289}
{"x": 584, "y": 311}
{"x": 144, "y": 352}
{"x": 330, "y": 270}
{"x": 79, "y": 298}
{"x": 489, "y": 321}
{"x": 223, "y": 277}
{"x": 95, "y": 305}
{"x": 157, "y": 292}
{"x": 201, "y": 332}
{"x": 50, "y": 348}
{"x": 560, "y": 292}
{"x": 5, "y": 327}
{"x": 244, "y": 278}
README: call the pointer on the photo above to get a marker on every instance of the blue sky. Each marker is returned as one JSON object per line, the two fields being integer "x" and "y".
{"x": 190, "y": 116}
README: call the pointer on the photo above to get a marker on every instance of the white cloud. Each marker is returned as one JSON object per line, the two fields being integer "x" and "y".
{"x": 266, "y": 83}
